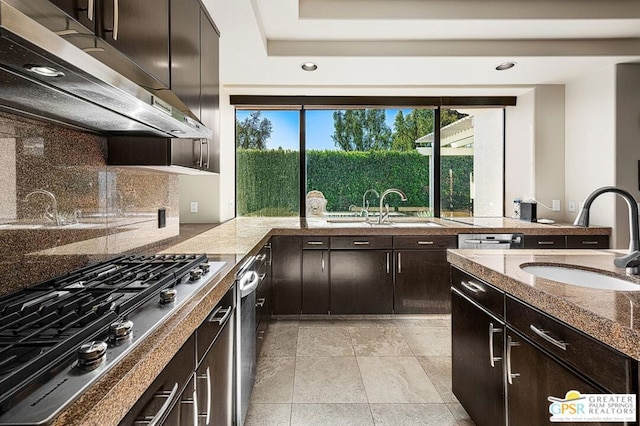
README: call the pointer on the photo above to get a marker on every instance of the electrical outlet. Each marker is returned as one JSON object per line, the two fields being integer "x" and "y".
{"x": 194, "y": 207}
{"x": 555, "y": 205}
{"x": 571, "y": 206}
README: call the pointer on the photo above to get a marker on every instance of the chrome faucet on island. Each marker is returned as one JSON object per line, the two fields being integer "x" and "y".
{"x": 630, "y": 261}
{"x": 382, "y": 217}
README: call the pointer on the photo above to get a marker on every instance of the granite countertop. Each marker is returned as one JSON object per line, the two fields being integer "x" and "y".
{"x": 115, "y": 393}
{"x": 607, "y": 315}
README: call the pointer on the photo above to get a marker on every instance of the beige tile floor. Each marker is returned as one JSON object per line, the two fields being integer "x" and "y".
{"x": 393, "y": 372}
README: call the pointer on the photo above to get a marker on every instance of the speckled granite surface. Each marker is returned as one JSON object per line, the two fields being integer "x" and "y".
{"x": 111, "y": 398}
{"x": 612, "y": 317}
{"x": 116, "y": 206}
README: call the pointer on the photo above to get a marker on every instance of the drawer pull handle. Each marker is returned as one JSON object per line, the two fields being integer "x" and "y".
{"x": 361, "y": 243}
{"x": 492, "y": 331}
{"x": 546, "y": 243}
{"x": 260, "y": 302}
{"x": 226, "y": 312}
{"x": 425, "y": 243}
{"x": 590, "y": 243}
{"x": 170, "y": 396}
{"x": 315, "y": 243}
{"x": 399, "y": 262}
{"x": 545, "y": 336}
{"x": 261, "y": 257}
{"x": 473, "y": 287}
{"x": 510, "y": 375}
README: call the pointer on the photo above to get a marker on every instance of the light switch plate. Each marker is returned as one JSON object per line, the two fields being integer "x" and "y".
{"x": 571, "y": 206}
{"x": 555, "y": 205}
{"x": 194, "y": 207}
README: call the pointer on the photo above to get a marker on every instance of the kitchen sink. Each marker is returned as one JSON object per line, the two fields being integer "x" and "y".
{"x": 396, "y": 223}
{"x": 580, "y": 277}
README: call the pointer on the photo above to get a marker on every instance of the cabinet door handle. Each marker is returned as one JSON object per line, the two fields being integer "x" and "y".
{"x": 261, "y": 257}
{"x": 322, "y": 261}
{"x": 116, "y": 18}
{"x": 546, "y": 243}
{"x": 399, "y": 262}
{"x": 206, "y": 164}
{"x": 170, "y": 395}
{"x": 207, "y": 377}
{"x": 388, "y": 262}
{"x": 260, "y": 302}
{"x": 473, "y": 287}
{"x": 193, "y": 401}
{"x": 589, "y": 243}
{"x": 425, "y": 243}
{"x": 361, "y": 243}
{"x": 492, "y": 331}
{"x": 510, "y": 375}
{"x": 90, "y": 10}
{"x": 199, "y": 160}
{"x": 544, "y": 334}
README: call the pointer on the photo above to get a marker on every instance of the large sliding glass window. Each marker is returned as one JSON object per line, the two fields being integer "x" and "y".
{"x": 268, "y": 162}
{"x": 472, "y": 162}
{"x": 352, "y": 155}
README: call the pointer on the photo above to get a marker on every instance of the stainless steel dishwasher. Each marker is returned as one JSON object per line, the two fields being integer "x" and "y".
{"x": 247, "y": 280}
{"x": 490, "y": 241}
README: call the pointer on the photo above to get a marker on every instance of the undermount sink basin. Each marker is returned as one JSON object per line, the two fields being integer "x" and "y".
{"x": 357, "y": 221}
{"x": 580, "y": 277}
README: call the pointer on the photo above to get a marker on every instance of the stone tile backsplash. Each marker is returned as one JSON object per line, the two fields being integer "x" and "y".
{"x": 99, "y": 211}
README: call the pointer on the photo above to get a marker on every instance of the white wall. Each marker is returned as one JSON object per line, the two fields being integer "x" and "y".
{"x": 204, "y": 190}
{"x": 590, "y": 140}
{"x": 627, "y": 140}
{"x": 534, "y": 149}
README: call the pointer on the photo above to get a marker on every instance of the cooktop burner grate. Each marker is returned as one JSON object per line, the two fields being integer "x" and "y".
{"x": 42, "y": 327}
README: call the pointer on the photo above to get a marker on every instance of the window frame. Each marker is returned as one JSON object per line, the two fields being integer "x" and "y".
{"x": 304, "y": 103}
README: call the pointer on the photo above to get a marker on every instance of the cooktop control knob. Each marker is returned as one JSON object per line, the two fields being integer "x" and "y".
{"x": 91, "y": 354}
{"x": 120, "y": 330}
{"x": 168, "y": 295}
{"x": 195, "y": 275}
{"x": 205, "y": 267}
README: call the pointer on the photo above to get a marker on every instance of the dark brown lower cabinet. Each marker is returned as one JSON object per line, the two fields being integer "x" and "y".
{"x": 286, "y": 274}
{"x": 361, "y": 282}
{"x": 533, "y": 376}
{"x": 477, "y": 361}
{"x": 315, "y": 282}
{"x": 422, "y": 282}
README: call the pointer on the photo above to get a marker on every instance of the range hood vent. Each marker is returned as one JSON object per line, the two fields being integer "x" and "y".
{"x": 79, "y": 90}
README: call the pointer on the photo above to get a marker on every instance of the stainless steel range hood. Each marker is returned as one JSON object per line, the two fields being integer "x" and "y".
{"x": 117, "y": 98}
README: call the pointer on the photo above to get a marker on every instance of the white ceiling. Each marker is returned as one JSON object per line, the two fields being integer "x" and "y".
{"x": 419, "y": 47}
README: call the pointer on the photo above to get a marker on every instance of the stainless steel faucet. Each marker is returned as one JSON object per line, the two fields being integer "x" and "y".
{"x": 385, "y": 216}
{"x": 365, "y": 202}
{"x": 54, "y": 217}
{"x": 630, "y": 261}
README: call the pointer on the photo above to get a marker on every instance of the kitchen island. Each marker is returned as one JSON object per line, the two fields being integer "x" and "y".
{"x": 111, "y": 398}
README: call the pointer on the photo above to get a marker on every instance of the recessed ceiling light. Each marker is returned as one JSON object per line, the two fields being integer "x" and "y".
{"x": 505, "y": 66}
{"x": 44, "y": 71}
{"x": 309, "y": 66}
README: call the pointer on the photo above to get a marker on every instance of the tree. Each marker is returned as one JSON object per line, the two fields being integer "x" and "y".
{"x": 418, "y": 123}
{"x": 361, "y": 130}
{"x": 253, "y": 132}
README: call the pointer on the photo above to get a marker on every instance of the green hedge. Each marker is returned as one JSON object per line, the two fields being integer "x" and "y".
{"x": 267, "y": 180}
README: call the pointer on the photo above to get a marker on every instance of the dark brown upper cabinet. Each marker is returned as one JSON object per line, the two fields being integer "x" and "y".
{"x": 140, "y": 30}
{"x": 83, "y": 11}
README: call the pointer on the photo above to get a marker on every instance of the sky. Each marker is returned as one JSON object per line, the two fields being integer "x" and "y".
{"x": 286, "y": 129}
